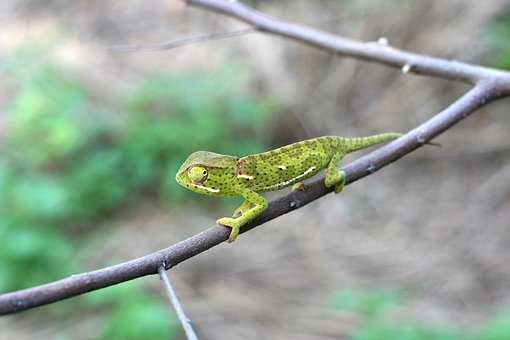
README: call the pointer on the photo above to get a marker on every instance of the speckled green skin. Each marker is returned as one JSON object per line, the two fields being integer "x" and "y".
{"x": 210, "y": 173}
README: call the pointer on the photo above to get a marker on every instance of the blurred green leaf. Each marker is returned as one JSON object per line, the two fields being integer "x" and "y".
{"x": 39, "y": 198}
{"x": 143, "y": 320}
{"x": 30, "y": 255}
{"x": 69, "y": 163}
{"x": 496, "y": 329}
{"x": 47, "y": 117}
{"x": 369, "y": 303}
{"x": 97, "y": 184}
{"x": 497, "y": 34}
{"x": 403, "y": 331}
{"x": 135, "y": 314}
{"x": 377, "y": 311}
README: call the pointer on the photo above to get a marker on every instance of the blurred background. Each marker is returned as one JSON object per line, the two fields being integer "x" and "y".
{"x": 91, "y": 138}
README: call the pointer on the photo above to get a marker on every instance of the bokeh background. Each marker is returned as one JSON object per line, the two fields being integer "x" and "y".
{"x": 91, "y": 138}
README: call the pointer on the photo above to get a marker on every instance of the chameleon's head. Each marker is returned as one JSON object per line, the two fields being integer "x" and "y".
{"x": 208, "y": 173}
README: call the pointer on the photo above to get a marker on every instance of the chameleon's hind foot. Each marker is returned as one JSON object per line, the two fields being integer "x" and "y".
{"x": 336, "y": 179}
{"x": 300, "y": 186}
{"x": 233, "y": 224}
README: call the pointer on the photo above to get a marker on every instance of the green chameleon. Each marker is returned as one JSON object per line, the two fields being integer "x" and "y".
{"x": 210, "y": 173}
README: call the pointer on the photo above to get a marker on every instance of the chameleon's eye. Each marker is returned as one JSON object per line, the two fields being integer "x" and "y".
{"x": 197, "y": 174}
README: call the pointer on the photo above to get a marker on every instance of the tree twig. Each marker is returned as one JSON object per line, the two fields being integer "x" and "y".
{"x": 175, "y": 254}
{"x": 185, "y": 321}
{"x": 490, "y": 84}
{"x": 379, "y": 51}
{"x": 183, "y": 42}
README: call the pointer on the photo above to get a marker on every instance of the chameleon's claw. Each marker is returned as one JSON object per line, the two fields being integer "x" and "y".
{"x": 338, "y": 181}
{"x": 300, "y": 186}
{"x": 340, "y": 186}
{"x": 233, "y": 224}
{"x": 233, "y": 235}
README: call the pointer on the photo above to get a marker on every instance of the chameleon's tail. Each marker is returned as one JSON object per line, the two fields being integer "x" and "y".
{"x": 358, "y": 143}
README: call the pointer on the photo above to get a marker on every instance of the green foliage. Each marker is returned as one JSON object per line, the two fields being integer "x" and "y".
{"x": 30, "y": 255}
{"x": 375, "y": 309}
{"x": 145, "y": 319}
{"x": 497, "y": 34}
{"x": 66, "y": 163}
{"x": 380, "y": 318}
{"x": 35, "y": 106}
{"x": 170, "y": 117}
{"x": 134, "y": 314}
{"x": 403, "y": 331}
{"x": 369, "y": 304}
{"x": 496, "y": 329}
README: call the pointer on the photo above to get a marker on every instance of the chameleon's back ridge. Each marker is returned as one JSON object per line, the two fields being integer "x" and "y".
{"x": 293, "y": 163}
{"x": 360, "y": 143}
{"x": 209, "y": 173}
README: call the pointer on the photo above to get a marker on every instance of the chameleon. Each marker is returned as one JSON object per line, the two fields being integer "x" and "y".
{"x": 215, "y": 174}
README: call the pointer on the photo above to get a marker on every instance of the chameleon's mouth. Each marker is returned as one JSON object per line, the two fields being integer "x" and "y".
{"x": 198, "y": 186}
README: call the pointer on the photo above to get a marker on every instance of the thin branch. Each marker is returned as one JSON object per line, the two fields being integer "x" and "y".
{"x": 74, "y": 285}
{"x": 183, "y": 42}
{"x": 185, "y": 321}
{"x": 378, "y": 52}
{"x": 490, "y": 85}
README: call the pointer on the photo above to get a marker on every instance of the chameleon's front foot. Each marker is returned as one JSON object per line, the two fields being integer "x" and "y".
{"x": 232, "y": 223}
{"x": 336, "y": 179}
{"x": 243, "y": 209}
{"x": 252, "y": 207}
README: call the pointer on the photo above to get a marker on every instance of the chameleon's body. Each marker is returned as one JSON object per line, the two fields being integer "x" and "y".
{"x": 221, "y": 175}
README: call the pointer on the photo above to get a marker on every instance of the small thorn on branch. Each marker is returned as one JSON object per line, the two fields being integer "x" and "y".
{"x": 383, "y": 41}
{"x": 407, "y": 68}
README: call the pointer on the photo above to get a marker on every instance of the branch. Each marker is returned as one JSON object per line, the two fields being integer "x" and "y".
{"x": 378, "y": 52}
{"x": 182, "y": 42}
{"x": 174, "y": 300}
{"x": 179, "y": 252}
{"x": 490, "y": 85}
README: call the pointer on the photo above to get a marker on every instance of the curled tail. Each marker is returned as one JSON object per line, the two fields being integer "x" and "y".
{"x": 359, "y": 143}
